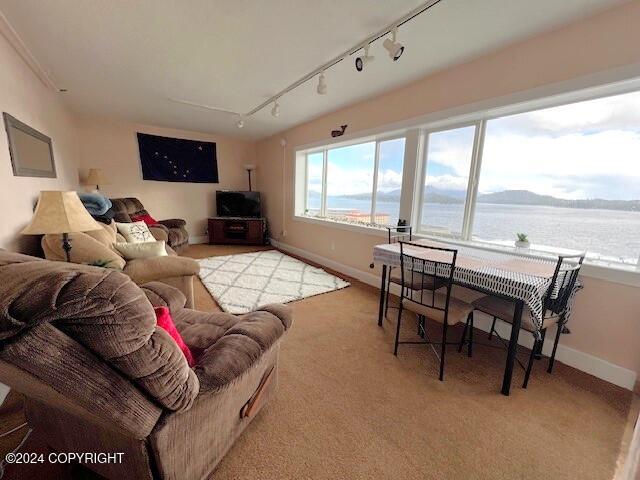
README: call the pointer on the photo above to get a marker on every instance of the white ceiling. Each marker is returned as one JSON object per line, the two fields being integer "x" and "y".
{"x": 124, "y": 58}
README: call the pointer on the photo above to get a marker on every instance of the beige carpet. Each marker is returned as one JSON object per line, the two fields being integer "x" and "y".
{"x": 346, "y": 408}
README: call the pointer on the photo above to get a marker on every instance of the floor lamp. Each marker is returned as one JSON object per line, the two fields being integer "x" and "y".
{"x": 249, "y": 167}
{"x": 60, "y": 213}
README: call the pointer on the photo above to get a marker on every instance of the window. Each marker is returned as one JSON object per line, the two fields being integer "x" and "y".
{"x": 447, "y": 165}
{"x": 340, "y": 182}
{"x": 350, "y": 173}
{"x": 567, "y": 176}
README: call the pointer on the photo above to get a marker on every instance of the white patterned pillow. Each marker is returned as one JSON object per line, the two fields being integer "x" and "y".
{"x": 135, "y": 232}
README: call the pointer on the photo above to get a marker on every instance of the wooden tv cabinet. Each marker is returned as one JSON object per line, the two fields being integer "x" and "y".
{"x": 237, "y": 230}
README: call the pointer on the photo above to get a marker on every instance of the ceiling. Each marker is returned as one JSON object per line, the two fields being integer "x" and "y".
{"x": 124, "y": 58}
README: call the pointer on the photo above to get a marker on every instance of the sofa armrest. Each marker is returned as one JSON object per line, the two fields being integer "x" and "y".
{"x": 162, "y": 295}
{"x": 241, "y": 346}
{"x": 159, "y": 232}
{"x": 145, "y": 270}
{"x": 173, "y": 223}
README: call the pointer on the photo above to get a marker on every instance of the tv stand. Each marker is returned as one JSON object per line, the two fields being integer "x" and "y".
{"x": 237, "y": 231}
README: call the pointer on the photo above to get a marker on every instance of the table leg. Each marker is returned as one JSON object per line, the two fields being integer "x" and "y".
{"x": 383, "y": 286}
{"x": 513, "y": 347}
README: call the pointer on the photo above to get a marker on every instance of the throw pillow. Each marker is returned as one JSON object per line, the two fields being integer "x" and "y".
{"x": 135, "y": 232}
{"x": 131, "y": 251}
{"x": 165, "y": 322}
{"x": 148, "y": 219}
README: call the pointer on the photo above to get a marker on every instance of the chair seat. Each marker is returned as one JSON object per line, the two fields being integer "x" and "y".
{"x": 416, "y": 281}
{"x": 458, "y": 309}
{"x": 504, "y": 309}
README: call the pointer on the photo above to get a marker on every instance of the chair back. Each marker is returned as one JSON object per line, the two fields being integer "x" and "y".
{"x": 563, "y": 283}
{"x": 421, "y": 263}
{"x": 399, "y": 233}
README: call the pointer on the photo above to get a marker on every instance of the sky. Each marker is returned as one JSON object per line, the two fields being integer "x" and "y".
{"x": 583, "y": 150}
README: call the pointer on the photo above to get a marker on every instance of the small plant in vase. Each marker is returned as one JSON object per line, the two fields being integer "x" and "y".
{"x": 522, "y": 241}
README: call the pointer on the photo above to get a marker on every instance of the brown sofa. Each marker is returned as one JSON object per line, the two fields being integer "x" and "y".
{"x": 81, "y": 343}
{"x": 96, "y": 248}
{"x": 172, "y": 231}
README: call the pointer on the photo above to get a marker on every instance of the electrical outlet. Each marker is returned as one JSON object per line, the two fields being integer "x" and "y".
{"x": 333, "y": 245}
{"x": 284, "y": 233}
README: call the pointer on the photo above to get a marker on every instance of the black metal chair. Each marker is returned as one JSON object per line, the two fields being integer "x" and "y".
{"x": 403, "y": 233}
{"x": 556, "y": 303}
{"x": 427, "y": 303}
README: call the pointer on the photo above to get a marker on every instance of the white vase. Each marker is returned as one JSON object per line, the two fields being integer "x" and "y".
{"x": 520, "y": 244}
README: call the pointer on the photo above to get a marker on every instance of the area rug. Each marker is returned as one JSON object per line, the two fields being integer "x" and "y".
{"x": 241, "y": 283}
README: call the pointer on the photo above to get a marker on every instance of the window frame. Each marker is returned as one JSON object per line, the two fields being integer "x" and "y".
{"x": 377, "y": 141}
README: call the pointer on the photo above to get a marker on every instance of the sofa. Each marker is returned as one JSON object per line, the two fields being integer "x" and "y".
{"x": 172, "y": 231}
{"x": 82, "y": 345}
{"x": 96, "y": 248}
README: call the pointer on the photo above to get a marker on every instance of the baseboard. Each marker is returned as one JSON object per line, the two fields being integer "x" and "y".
{"x": 198, "y": 239}
{"x": 582, "y": 361}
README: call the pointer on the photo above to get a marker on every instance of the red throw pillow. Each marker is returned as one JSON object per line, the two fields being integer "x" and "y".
{"x": 165, "y": 322}
{"x": 148, "y": 219}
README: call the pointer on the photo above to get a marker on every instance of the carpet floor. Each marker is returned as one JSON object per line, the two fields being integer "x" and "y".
{"x": 347, "y": 408}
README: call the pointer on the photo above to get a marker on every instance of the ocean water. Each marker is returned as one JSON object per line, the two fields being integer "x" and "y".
{"x": 607, "y": 234}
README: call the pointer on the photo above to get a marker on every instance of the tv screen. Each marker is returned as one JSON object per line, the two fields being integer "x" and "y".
{"x": 238, "y": 204}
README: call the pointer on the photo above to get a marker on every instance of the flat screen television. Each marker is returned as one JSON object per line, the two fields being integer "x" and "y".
{"x": 238, "y": 204}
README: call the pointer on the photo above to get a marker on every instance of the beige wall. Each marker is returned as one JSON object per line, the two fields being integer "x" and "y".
{"x": 25, "y": 97}
{"x": 606, "y": 317}
{"x": 113, "y": 146}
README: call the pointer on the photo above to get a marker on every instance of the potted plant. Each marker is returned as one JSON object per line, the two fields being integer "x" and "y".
{"x": 522, "y": 241}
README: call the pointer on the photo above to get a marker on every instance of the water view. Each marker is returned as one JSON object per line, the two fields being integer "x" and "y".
{"x": 605, "y": 234}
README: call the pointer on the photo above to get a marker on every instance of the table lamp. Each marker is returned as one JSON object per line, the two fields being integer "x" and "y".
{"x": 96, "y": 177}
{"x": 60, "y": 212}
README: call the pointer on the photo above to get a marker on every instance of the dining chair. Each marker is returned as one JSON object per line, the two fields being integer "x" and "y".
{"x": 403, "y": 233}
{"x": 425, "y": 265}
{"x": 556, "y": 305}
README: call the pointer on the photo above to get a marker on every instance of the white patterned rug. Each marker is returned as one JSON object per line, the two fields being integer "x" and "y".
{"x": 241, "y": 283}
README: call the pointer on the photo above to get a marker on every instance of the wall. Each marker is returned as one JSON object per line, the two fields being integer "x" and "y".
{"x": 113, "y": 146}
{"x": 605, "y": 322}
{"x": 25, "y": 97}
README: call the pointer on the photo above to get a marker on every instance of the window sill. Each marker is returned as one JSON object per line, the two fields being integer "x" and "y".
{"x": 625, "y": 275}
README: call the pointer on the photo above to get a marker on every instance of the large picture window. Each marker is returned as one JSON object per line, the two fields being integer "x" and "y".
{"x": 567, "y": 176}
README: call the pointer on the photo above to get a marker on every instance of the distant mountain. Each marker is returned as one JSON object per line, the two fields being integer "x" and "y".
{"x": 507, "y": 197}
{"x": 525, "y": 197}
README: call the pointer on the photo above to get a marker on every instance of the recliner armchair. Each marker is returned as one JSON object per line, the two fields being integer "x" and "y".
{"x": 81, "y": 343}
{"x": 172, "y": 231}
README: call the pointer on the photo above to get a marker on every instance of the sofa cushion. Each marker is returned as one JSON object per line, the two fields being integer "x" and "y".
{"x": 102, "y": 310}
{"x": 241, "y": 346}
{"x": 132, "y": 251}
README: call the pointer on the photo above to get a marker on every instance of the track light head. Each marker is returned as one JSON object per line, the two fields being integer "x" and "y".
{"x": 394, "y": 48}
{"x": 364, "y": 59}
{"x": 322, "y": 84}
{"x": 275, "y": 111}
{"x": 240, "y": 122}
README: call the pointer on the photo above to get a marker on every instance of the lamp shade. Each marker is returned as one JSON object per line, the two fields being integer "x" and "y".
{"x": 96, "y": 177}
{"x": 60, "y": 212}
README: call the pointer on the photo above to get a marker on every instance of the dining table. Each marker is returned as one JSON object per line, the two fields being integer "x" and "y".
{"x": 522, "y": 279}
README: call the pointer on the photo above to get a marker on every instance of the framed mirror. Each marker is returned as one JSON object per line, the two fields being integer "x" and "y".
{"x": 31, "y": 151}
